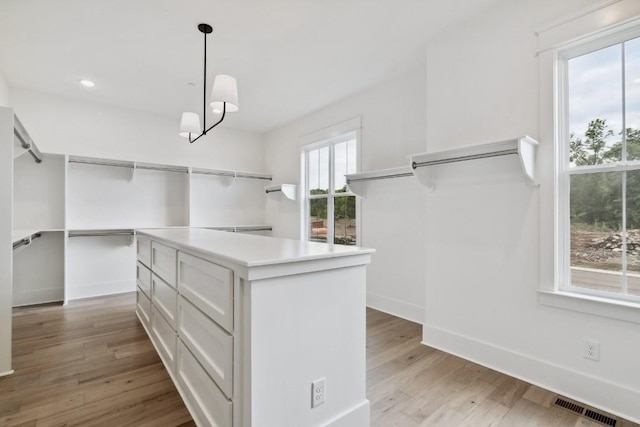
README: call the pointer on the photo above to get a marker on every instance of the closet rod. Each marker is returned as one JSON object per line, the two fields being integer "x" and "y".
{"x": 25, "y": 140}
{"x": 99, "y": 163}
{"x": 240, "y": 229}
{"x": 161, "y": 168}
{"x": 101, "y": 233}
{"x": 416, "y": 165}
{"x": 373, "y": 178}
{"x": 244, "y": 175}
{"x": 232, "y": 174}
{"x": 129, "y": 166}
{"x": 268, "y": 228}
{"x": 26, "y": 241}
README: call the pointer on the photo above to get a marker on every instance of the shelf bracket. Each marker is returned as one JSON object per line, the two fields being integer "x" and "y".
{"x": 132, "y": 172}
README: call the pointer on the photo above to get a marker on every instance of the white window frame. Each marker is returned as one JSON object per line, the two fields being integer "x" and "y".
{"x": 563, "y": 37}
{"x": 331, "y": 143}
{"x": 563, "y": 56}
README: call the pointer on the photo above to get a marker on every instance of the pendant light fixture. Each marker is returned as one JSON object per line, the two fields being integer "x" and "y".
{"x": 224, "y": 99}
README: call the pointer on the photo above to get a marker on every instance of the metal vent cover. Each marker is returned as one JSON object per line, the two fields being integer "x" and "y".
{"x": 601, "y": 418}
{"x": 585, "y": 412}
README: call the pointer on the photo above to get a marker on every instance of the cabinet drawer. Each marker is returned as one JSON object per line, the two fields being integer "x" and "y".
{"x": 143, "y": 307}
{"x": 209, "y": 343}
{"x": 163, "y": 262}
{"x": 165, "y": 299}
{"x": 143, "y": 250}
{"x": 164, "y": 337}
{"x": 208, "y": 286}
{"x": 211, "y": 407}
{"x": 143, "y": 278}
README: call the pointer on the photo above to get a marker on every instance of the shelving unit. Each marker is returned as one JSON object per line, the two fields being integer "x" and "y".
{"x": 122, "y": 195}
{"x": 357, "y": 181}
{"x": 287, "y": 190}
{"x": 524, "y": 147}
{"x": 83, "y": 213}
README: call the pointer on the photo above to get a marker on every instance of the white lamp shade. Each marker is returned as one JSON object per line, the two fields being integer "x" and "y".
{"x": 225, "y": 89}
{"x": 190, "y": 124}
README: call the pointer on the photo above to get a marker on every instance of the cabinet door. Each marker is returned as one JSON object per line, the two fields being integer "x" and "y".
{"x": 163, "y": 262}
{"x": 143, "y": 279}
{"x": 209, "y": 343}
{"x": 212, "y": 408}
{"x": 143, "y": 307}
{"x": 164, "y": 337}
{"x": 165, "y": 299}
{"x": 143, "y": 250}
{"x": 208, "y": 286}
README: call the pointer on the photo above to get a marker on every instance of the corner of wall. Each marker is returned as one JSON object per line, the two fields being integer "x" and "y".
{"x": 4, "y": 91}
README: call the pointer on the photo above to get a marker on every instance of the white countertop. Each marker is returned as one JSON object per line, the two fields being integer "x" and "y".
{"x": 250, "y": 250}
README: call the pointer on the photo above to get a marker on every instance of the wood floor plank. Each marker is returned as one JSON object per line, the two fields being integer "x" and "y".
{"x": 90, "y": 363}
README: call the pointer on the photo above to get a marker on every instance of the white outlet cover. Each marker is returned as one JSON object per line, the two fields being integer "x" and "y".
{"x": 591, "y": 349}
{"x": 317, "y": 392}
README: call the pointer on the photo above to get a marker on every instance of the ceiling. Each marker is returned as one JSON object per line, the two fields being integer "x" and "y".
{"x": 290, "y": 57}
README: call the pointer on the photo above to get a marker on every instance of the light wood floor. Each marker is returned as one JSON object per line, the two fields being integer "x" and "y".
{"x": 412, "y": 385}
{"x": 91, "y": 364}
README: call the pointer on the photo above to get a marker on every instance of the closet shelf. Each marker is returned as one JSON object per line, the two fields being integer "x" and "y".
{"x": 23, "y": 141}
{"x": 239, "y": 228}
{"x": 18, "y": 235}
{"x": 287, "y": 190}
{"x": 524, "y": 147}
{"x": 232, "y": 174}
{"x": 357, "y": 181}
{"x": 166, "y": 168}
{"x": 24, "y": 237}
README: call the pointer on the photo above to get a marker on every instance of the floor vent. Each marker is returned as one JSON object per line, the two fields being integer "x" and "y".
{"x": 570, "y": 406}
{"x": 600, "y": 418}
{"x": 585, "y": 412}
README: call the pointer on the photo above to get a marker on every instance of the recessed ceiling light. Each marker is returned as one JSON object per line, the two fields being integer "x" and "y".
{"x": 87, "y": 83}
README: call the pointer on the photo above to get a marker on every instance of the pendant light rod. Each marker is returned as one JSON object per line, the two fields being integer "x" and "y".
{"x": 204, "y": 29}
{"x": 224, "y": 91}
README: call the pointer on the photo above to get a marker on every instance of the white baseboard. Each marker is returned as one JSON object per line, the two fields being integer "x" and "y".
{"x": 358, "y": 416}
{"x": 405, "y": 310}
{"x": 614, "y": 398}
{"x": 4, "y": 374}
{"x": 99, "y": 289}
{"x": 39, "y": 296}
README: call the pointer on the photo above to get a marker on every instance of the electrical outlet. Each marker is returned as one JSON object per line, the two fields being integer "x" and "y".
{"x": 591, "y": 350}
{"x": 317, "y": 392}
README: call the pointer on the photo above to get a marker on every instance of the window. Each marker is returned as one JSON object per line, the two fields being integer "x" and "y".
{"x": 599, "y": 177}
{"x": 331, "y": 209}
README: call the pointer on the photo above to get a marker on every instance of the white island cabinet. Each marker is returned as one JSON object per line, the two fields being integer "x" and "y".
{"x": 245, "y": 324}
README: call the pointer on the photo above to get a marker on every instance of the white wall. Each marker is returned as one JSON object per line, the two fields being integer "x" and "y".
{"x": 393, "y": 126}
{"x": 68, "y": 126}
{"x": 483, "y": 221}
{"x": 4, "y": 91}
{"x": 6, "y": 222}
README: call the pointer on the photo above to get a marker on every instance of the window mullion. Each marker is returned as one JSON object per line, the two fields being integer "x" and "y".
{"x": 330, "y": 202}
{"x": 624, "y": 233}
{"x": 624, "y": 174}
{"x": 624, "y": 105}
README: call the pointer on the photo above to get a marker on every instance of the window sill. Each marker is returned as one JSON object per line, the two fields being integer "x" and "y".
{"x": 604, "y": 307}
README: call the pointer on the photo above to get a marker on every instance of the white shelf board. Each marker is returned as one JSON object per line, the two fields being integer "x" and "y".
{"x": 357, "y": 181}
{"x": 287, "y": 190}
{"x": 17, "y": 235}
{"x": 230, "y": 176}
{"x": 524, "y": 147}
{"x": 101, "y": 162}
